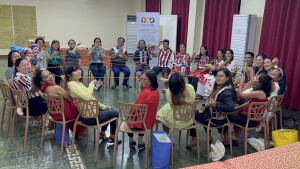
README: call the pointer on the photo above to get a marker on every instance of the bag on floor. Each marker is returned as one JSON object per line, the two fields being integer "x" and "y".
{"x": 217, "y": 151}
{"x": 283, "y": 137}
{"x": 58, "y": 130}
{"x": 161, "y": 149}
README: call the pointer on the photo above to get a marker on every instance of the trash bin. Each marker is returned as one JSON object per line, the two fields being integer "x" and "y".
{"x": 161, "y": 149}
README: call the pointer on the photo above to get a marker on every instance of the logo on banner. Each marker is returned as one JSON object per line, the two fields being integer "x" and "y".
{"x": 147, "y": 20}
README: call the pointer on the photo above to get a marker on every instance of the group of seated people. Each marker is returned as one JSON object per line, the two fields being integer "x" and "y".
{"x": 259, "y": 80}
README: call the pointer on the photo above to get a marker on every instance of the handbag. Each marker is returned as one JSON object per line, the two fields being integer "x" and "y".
{"x": 284, "y": 137}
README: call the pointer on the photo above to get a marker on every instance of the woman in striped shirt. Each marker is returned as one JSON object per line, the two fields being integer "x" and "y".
{"x": 22, "y": 81}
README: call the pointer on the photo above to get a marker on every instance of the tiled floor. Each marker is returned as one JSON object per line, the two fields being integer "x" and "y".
{"x": 12, "y": 155}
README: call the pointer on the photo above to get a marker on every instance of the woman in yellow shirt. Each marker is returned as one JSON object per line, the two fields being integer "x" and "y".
{"x": 73, "y": 75}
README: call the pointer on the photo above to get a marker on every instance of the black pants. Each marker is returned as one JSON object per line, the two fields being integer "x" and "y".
{"x": 98, "y": 70}
{"x": 131, "y": 134}
{"x": 37, "y": 106}
{"x": 162, "y": 70}
{"x": 56, "y": 70}
{"x": 104, "y": 115}
{"x": 194, "y": 82}
{"x": 240, "y": 119}
{"x": 203, "y": 119}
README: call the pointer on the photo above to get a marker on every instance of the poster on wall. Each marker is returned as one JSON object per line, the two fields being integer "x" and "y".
{"x": 148, "y": 27}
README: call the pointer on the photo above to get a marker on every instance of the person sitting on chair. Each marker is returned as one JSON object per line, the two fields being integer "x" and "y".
{"x": 222, "y": 99}
{"x": 119, "y": 57}
{"x": 74, "y": 75}
{"x": 165, "y": 60}
{"x": 141, "y": 58}
{"x": 178, "y": 93}
{"x": 45, "y": 82}
{"x": 149, "y": 95}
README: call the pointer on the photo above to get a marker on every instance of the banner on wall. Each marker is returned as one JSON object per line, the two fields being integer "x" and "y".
{"x": 148, "y": 27}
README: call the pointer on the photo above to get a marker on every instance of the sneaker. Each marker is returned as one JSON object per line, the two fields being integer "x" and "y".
{"x": 111, "y": 141}
{"x": 141, "y": 146}
{"x": 132, "y": 144}
{"x": 127, "y": 85}
{"x": 114, "y": 87}
{"x": 98, "y": 86}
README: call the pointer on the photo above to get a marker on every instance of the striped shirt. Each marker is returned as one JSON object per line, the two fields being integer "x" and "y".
{"x": 182, "y": 59}
{"x": 203, "y": 60}
{"x": 165, "y": 58}
{"x": 23, "y": 82}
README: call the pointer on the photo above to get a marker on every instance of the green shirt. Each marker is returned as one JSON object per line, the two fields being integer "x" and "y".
{"x": 55, "y": 60}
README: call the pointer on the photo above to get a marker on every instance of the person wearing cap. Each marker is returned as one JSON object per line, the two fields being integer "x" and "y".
{"x": 36, "y": 61}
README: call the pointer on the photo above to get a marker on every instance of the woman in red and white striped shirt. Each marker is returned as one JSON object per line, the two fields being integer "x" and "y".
{"x": 37, "y": 105}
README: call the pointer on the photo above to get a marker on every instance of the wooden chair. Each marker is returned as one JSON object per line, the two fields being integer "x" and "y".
{"x": 132, "y": 114}
{"x": 215, "y": 115}
{"x": 55, "y": 106}
{"x": 255, "y": 113}
{"x": 7, "y": 101}
{"x": 183, "y": 113}
{"x": 89, "y": 109}
{"x": 22, "y": 103}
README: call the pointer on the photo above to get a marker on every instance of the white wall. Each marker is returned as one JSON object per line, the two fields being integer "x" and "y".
{"x": 82, "y": 20}
{"x": 85, "y": 19}
{"x": 254, "y": 7}
{"x": 166, "y": 7}
{"x": 199, "y": 26}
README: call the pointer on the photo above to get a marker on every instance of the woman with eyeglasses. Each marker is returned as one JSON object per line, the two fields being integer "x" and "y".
{"x": 222, "y": 99}
{"x": 149, "y": 95}
{"x": 72, "y": 54}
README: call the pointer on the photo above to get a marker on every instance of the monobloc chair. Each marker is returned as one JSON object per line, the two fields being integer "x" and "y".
{"x": 7, "y": 101}
{"x": 183, "y": 113}
{"x": 22, "y": 103}
{"x": 215, "y": 115}
{"x": 255, "y": 113}
{"x": 89, "y": 109}
{"x": 273, "y": 107}
{"x": 132, "y": 114}
{"x": 55, "y": 106}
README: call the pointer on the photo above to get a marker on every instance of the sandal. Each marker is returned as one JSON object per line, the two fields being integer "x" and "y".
{"x": 103, "y": 137}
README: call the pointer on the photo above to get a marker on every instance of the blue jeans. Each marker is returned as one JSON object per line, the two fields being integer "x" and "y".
{"x": 98, "y": 70}
{"x": 120, "y": 68}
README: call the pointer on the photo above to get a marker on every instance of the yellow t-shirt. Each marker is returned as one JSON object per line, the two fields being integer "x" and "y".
{"x": 78, "y": 90}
